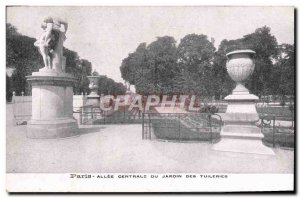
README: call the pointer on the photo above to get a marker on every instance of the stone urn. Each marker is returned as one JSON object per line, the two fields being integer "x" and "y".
{"x": 240, "y": 132}
{"x": 93, "y": 85}
{"x": 241, "y": 104}
{"x": 93, "y": 98}
{"x": 240, "y": 65}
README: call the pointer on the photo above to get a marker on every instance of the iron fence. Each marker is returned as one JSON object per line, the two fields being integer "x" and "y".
{"x": 181, "y": 126}
{"x": 89, "y": 115}
{"x": 21, "y": 106}
{"x": 278, "y": 130}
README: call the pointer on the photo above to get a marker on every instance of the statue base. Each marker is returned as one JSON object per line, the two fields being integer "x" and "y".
{"x": 240, "y": 133}
{"x": 52, "y": 128}
{"x": 93, "y": 100}
{"x": 247, "y": 146}
{"x": 52, "y": 105}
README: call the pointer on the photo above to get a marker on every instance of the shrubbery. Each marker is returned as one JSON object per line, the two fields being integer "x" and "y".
{"x": 209, "y": 109}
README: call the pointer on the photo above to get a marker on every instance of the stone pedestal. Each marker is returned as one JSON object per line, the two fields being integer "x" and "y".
{"x": 52, "y": 105}
{"x": 93, "y": 98}
{"x": 240, "y": 133}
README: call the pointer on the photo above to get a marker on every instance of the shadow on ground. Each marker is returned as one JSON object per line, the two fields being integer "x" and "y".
{"x": 83, "y": 131}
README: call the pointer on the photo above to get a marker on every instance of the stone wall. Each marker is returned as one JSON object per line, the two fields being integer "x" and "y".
{"x": 22, "y": 106}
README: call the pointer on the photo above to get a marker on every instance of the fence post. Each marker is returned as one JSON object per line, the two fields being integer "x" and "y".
{"x": 124, "y": 114}
{"x": 293, "y": 119}
{"x": 14, "y": 97}
{"x": 210, "y": 129}
{"x": 179, "y": 127}
{"x": 273, "y": 131}
{"x": 81, "y": 115}
{"x": 149, "y": 125}
{"x": 22, "y": 108}
{"x": 143, "y": 126}
{"x": 14, "y": 106}
{"x": 104, "y": 120}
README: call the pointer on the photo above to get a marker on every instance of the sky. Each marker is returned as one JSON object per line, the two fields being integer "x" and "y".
{"x": 106, "y": 35}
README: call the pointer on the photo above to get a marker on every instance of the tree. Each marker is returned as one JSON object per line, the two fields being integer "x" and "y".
{"x": 120, "y": 89}
{"x": 11, "y": 30}
{"x": 8, "y": 89}
{"x": 133, "y": 64}
{"x": 85, "y": 69}
{"x": 282, "y": 80}
{"x": 162, "y": 62}
{"x": 196, "y": 68}
{"x": 194, "y": 56}
{"x": 24, "y": 58}
{"x": 19, "y": 82}
{"x": 265, "y": 46}
{"x": 151, "y": 68}
{"x": 95, "y": 73}
{"x": 222, "y": 83}
{"x": 108, "y": 86}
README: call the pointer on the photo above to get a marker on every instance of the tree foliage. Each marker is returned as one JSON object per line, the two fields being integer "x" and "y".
{"x": 23, "y": 58}
{"x": 266, "y": 48}
{"x": 108, "y": 86}
{"x": 195, "y": 67}
{"x": 151, "y": 68}
{"x": 282, "y": 80}
{"x": 194, "y": 57}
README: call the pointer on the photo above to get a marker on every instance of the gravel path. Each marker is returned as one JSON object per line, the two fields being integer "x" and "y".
{"x": 120, "y": 148}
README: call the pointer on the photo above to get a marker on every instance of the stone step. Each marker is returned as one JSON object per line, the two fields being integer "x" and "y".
{"x": 242, "y": 135}
{"x": 235, "y": 128}
{"x": 243, "y": 146}
{"x": 241, "y": 132}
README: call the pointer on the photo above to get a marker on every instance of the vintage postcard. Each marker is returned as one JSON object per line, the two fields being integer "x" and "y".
{"x": 150, "y": 99}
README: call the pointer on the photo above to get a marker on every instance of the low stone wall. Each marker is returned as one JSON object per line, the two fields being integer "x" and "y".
{"x": 78, "y": 101}
{"x": 22, "y": 107}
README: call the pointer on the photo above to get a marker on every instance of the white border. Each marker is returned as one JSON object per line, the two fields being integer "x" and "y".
{"x": 3, "y": 3}
{"x": 187, "y": 183}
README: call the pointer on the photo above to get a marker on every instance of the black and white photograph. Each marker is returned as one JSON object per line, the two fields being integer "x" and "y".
{"x": 150, "y": 98}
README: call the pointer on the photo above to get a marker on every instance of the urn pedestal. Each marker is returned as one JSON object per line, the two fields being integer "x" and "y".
{"x": 93, "y": 98}
{"x": 240, "y": 133}
{"x": 52, "y": 105}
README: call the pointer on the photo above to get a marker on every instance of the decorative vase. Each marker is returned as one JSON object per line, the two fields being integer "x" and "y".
{"x": 93, "y": 98}
{"x": 93, "y": 85}
{"x": 240, "y": 132}
{"x": 241, "y": 104}
{"x": 240, "y": 65}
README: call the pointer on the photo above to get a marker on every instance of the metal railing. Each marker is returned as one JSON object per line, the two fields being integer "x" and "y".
{"x": 181, "y": 126}
{"x": 89, "y": 115}
{"x": 278, "y": 130}
{"x": 21, "y": 106}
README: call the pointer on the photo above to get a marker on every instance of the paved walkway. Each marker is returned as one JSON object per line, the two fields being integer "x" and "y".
{"x": 120, "y": 148}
